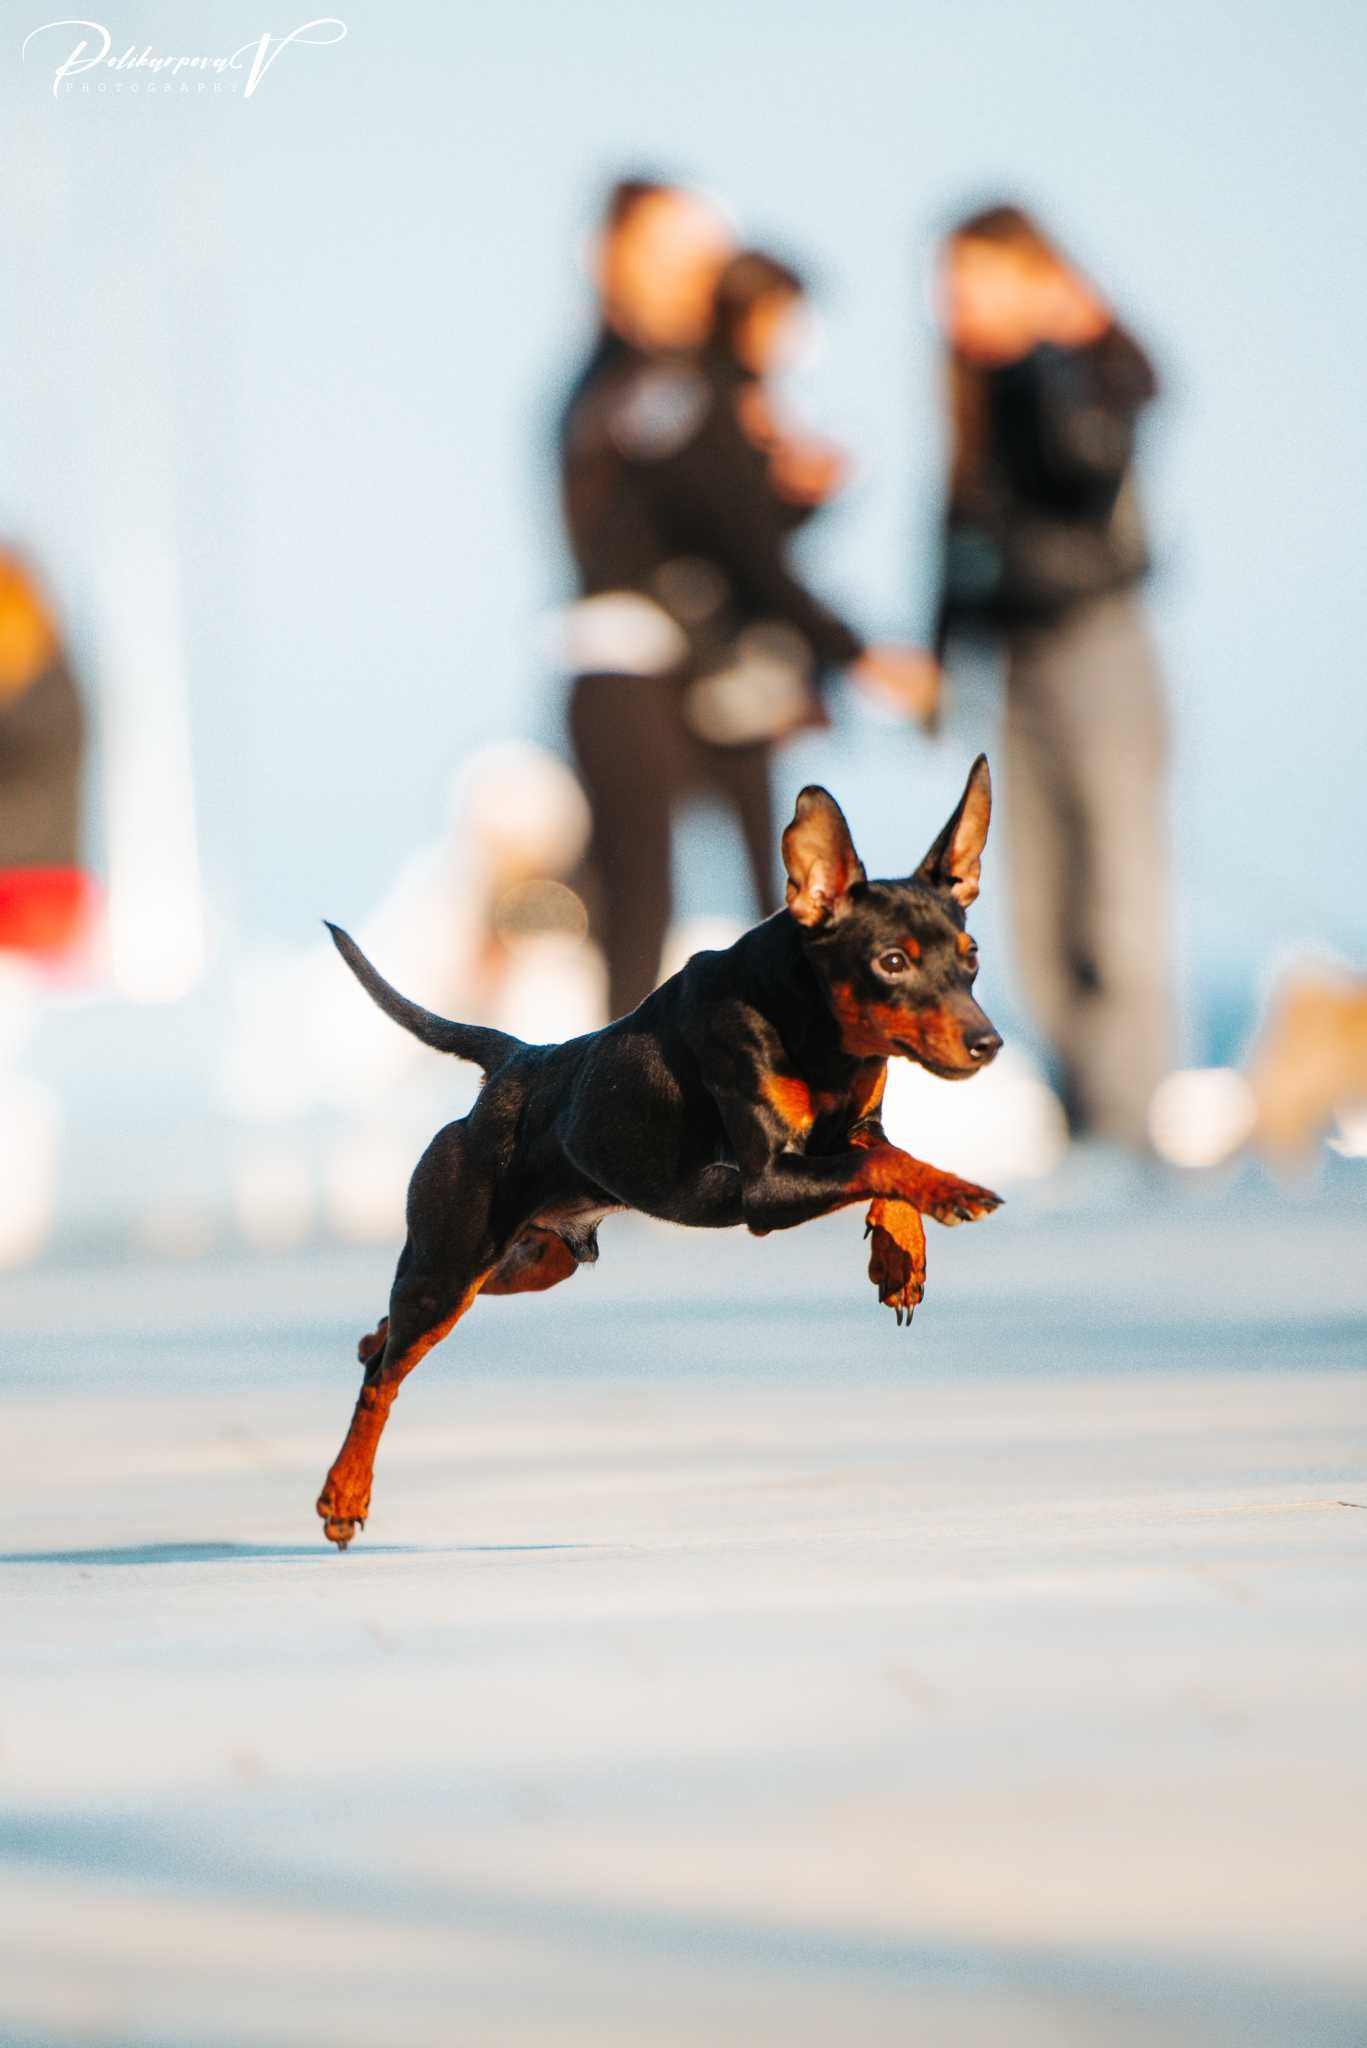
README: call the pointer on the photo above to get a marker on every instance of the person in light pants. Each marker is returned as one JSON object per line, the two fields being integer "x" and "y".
{"x": 1044, "y": 554}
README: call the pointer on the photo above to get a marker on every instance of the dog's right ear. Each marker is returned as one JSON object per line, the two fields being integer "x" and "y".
{"x": 819, "y": 857}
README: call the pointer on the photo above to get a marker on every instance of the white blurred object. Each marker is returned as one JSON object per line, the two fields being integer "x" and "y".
{"x": 176, "y": 1228}
{"x": 365, "y": 1183}
{"x": 274, "y": 1197}
{"x": 156, "y": 915}
{"x": 522, "y": 806}
{"x": 1003, "y": 1125}
{"x": 306, "y": 1035}
{"x": 619, "y": 632}
{"x": 763, "y": 690}
{"x": 18, "y": 1006}
{"x": 555, "y": 988}
{"x": 29, "y": 1125}
{"x": 1350, "y": 1141}
{"x": 697, "y": 935}
{"x": 1200, "y": 1116}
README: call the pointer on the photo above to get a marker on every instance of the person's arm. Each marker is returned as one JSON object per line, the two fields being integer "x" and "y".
{"x": 711, "y": 497}
{"x": 715, "y": 496}
{"x": 1068, "y": 420}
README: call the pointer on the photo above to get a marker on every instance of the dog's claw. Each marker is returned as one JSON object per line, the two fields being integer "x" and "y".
{"x": 897, "y": 1269}
{"x": 961, "y": 1202}
{"x": 338, "y": 1528}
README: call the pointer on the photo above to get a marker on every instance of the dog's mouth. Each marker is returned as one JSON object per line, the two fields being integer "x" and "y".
{"x": 936, "y": 1067}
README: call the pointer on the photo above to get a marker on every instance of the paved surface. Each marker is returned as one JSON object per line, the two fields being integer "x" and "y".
{"x": 720, "y": 1664}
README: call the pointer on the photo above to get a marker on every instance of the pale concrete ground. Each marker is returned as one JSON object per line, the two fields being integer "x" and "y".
{"x": 720, "y": 1665}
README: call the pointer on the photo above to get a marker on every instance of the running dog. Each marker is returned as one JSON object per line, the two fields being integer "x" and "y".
{"x": 745, "y": 1090}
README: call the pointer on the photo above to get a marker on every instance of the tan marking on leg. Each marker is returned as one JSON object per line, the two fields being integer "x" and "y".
{"x": 543, "y": 1260}
{"x": 866, "y": 1096}
{"x": 790, "y": 1099}
{"x": 887, "y": 1171}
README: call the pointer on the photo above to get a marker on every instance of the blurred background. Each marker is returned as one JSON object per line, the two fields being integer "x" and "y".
{"x": 720, "y": 1663}
{"x": 277, "y": 441}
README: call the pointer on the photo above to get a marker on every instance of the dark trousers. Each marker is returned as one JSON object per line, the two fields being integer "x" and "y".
{"x": 637, "y": 760}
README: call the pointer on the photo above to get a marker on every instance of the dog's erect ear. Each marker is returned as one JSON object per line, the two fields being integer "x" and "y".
{"x": 955, "y": 860}
{"x": 819, "y": 856}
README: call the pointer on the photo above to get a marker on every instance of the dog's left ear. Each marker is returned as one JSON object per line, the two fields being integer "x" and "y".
{"x": 819, "y": 857}
{"x": 955, "y": 860}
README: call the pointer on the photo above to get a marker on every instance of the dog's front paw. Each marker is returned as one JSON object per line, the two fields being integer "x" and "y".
{"x": 341, "y": 1516}
{"x": 951, "y": 1200}
{"x": 897, "y": 1256}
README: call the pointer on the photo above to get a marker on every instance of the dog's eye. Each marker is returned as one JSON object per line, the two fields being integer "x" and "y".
{"x": 894, "y": 961}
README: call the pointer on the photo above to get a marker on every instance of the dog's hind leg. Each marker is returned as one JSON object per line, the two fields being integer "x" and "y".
{"x": 446, "y": 1261}
{"x": 423, "y": 1309}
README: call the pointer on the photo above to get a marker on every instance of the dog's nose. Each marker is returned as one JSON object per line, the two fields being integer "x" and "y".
{"x": 982, "y": 1046}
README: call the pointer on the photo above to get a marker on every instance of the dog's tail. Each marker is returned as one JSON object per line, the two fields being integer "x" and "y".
{"x": 477, "y": 1042}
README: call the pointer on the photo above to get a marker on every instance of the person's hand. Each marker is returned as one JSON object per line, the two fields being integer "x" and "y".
{"x": 906, "y": 679}
{"x": 758, "y": 421}
{"x": 807, "y": 472}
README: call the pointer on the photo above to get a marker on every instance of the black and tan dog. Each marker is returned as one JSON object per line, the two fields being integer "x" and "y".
{"x": 746, "y": 1090}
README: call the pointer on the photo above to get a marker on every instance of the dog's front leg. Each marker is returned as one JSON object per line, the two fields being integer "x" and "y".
{"x": 893, "y": 1176}
{"x": 791, "y": 1188}
{"x": 768, "y": 1113}
{"x": 897, "y": 1248}
{"x": 897, "y": 1255}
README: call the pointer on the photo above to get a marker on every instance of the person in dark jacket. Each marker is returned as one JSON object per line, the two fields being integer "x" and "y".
{"x": 679, "y": 547}
{"x": 759, "y": 674}
{"x": 757, "y": 329}
{"x": 1044, "y": 552}
{"x": 46, "y": 897}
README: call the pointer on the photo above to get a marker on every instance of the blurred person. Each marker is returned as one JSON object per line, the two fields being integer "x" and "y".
{"x": 1044, "y": 553}
{"x": 679, "y": 546}
{"x": 45, "y": 896}
{"x": 755, "y": 676}
{"x": 44, "y": 893}
{"x": 758, "y": 319}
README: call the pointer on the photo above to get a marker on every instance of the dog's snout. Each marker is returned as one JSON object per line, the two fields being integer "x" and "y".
{"x": 982, "y": 1046}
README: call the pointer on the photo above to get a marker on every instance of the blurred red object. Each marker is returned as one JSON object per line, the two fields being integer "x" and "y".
{"x": 46, "y": 912}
